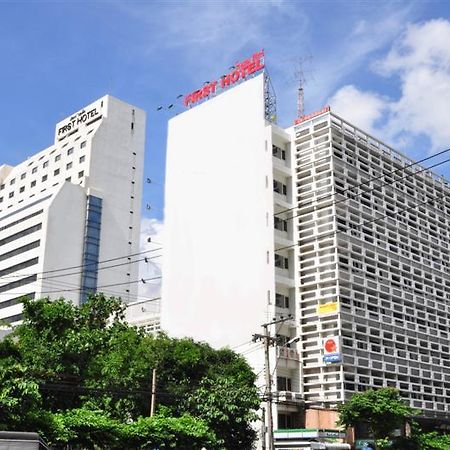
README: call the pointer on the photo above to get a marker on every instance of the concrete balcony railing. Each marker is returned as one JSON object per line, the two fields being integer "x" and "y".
{"x": 288, "y": 353}
{"x": 289, "y": 397}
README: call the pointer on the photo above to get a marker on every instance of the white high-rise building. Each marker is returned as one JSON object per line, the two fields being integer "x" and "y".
{"x": 262, "y": 222}
{"x": 74, "y": 206}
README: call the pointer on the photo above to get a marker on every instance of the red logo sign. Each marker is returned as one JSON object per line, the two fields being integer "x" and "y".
{"x": 310, "y": 116}
{"x": 240, "y": 71}
{"x": 330, "y": 346}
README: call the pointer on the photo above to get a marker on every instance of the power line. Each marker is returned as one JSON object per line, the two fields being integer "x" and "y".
{"x": 391, "y": 184}
{"x": 434, "y": 198}
{"x": 98, "y": 289}
{"x": 58, "y": 284}
{"x": 7, "y": 277}
{"x": 379, "y": 177}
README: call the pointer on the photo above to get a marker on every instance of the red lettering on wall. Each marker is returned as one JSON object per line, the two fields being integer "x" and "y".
{"x": 241, "y": 71}
{"x": 312, "y": 115}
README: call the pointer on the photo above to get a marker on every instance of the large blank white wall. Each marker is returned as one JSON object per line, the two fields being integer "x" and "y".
{"x": 218, "y": 219}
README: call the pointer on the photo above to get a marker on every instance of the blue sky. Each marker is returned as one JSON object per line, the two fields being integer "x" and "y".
{"x": 385, "y": 65}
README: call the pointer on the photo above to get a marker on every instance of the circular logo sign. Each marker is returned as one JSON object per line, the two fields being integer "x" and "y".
{"x": 330, "y": 346}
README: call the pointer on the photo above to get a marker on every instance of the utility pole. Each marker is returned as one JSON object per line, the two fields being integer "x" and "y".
{"x": 268, "y": 342}
{"x": 153, "y": 400}
{"x": 263, "y": 428}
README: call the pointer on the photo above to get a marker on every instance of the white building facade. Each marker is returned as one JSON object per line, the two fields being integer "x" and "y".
{"x": 229, "y": 170}
{"x": 263, "y": 222}
{"x": 374, "y": 268}
{"x": 74, "y": 206}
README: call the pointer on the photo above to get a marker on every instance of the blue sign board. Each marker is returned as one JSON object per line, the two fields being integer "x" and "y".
{"x": 332, "y": 358}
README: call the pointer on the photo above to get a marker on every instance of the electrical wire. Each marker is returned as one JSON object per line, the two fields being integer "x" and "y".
{"x": 23, "y": 275}
{"x": 98, "y": 289}
{"x": 380, "y": 176}
{"x": 385, "y": 216}
{"x": 57, "y": 284}
{"x": 391, "y": 184}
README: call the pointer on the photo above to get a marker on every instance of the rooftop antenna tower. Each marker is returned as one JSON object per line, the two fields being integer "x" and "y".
{"x": 300, "y": 80}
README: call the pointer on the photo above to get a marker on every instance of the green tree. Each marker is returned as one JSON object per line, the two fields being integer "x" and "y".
{"x": 228, "y": 408}
{"x": 382, "y": 410}
{"x": 433, "y": 441}
{"x": 82, "y": 375}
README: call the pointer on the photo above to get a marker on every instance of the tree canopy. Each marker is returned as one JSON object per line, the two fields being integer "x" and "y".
{"x": 383, "y": 410}
{"x": 80, "y": 375}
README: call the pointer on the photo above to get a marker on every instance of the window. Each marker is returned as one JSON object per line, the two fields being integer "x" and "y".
{"x": 279, "y": 187}
{"x": 280, "y": 224}
{"x": 82, "y": 158}
{"x": 284, "y": 384}
{"x": 11, "y": 194}
{"x": 282, "y": 301}
{"x": 56, "y": 172}
{"x": 22, "y": 177}
{"x": 2, "y": 186}
{"x": 83, "y": 144}
{"x": 12, "y": 181}
{"x": 33, "y": 184}
{"x": 70, "y": 151}
{"x": 281, "y": 261}
{"x": 34, "y": 170}
{"x": 80, "y": 174}
{"x": 44, "y": 178}
{"x": 1, "y": 199}
{"x": 45, "y": 164}
{"x": 22, "y": 189}
{"x": 68, "y": 166}
{"x": 68, "y": 179}
{"x": 278, "y": 152}
{"x": 57, "y": 157}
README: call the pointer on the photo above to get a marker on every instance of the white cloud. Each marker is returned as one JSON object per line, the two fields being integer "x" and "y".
{"x": 364, "y": 109}
{"x": 208, "y": 35}
{"x": 423, "y": 44}
{"x": 151, "y": 228}
{"x": 355, "y": 47}
{"x": 420, "y": 60}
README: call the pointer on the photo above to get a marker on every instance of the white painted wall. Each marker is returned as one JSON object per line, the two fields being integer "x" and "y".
{"x": 116, "y": 172}
{"x": 218, "y": 219}
{"x": 62, "y": 244}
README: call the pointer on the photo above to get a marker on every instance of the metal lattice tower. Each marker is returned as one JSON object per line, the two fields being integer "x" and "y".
{"x": 300, "y": 80}
{"x": 270, "y": 100}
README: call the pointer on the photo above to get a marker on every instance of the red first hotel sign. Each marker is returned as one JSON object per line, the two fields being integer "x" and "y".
{"x": 240, "y": 71}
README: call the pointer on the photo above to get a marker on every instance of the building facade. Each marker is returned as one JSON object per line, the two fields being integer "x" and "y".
{"x": 320, "y": 221}
{"x": 70, "y": 214}
{"x": 373, "y": 250}
{"x": 229, "y": 170}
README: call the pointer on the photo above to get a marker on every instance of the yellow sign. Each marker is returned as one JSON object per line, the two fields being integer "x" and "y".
{"x": 327, "y": 308}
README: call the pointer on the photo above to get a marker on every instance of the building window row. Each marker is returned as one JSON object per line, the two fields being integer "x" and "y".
{"x": 19, "y": 250}
{"x": 20, "y": 234}
{"x": 16, "y": 300}
{"x": 18, "y": 283}
{"x": 45, "y": 165}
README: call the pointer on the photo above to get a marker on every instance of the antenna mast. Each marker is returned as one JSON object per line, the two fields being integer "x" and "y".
{"x": 300, "y": 80}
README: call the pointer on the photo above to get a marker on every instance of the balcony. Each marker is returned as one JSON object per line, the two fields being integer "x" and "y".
{"x": 289, "y": 397}
{"x": 288, "y": 353}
